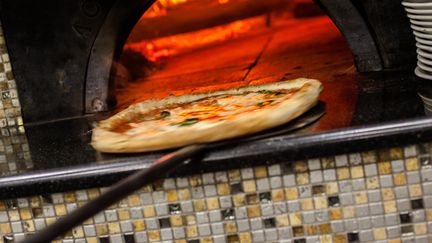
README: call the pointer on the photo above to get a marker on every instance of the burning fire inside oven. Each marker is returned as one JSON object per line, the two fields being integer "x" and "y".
{"x": 189, "y": 46}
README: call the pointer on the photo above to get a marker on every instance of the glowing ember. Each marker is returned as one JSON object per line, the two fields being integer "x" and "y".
{"x": 157, "y": 49}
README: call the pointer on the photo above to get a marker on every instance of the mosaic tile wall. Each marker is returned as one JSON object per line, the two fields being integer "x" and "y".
{"x": 14, "y": 149}
{"x": 375, "y": 196}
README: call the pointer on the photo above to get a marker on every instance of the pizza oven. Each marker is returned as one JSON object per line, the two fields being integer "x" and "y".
{"x": 78, "y": 58}
{"x": 65, "y": 65}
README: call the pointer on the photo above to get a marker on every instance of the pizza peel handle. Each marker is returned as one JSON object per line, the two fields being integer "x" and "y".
{"x": 116, "y": 192}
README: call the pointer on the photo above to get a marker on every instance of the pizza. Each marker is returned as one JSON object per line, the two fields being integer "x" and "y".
{"x": 177, "y": 121}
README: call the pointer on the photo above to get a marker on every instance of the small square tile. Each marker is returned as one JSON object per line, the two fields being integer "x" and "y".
{"x": 341, "y": 160}
{"x": 302, "y": 178}
{"x": 186, "y": 207}
{"x": 362, "y": 210}
{"x": 314, "y": 164}
{"x": 210, "y": 190}
{"x": 349, "y": 212}
{"x": 401, "y": 192}
{"x": 204, "y": 229}
{"x": 280, "y": 208}
{"x": 277, "y": 195}
{"x": 410, "y": 151}
{"x": 260, "y": 171}
{"x": 346, "y": 186}
{"x": 413, "y": 177}
{"x": 374, "y": 196}
{"x": 217, "y": 228}
{"x": 343, "y": 173}
{"x": 216, "y": 215}
{"x": 202, "y": 217}
{"x": 275, "y": 182}
{"x": 403, "y": 205}
{"x": 378, "y": 221}
{"x": 298, "y": 231}
{"x": 208, "y": 178}
{"x": 267, "y": 210}
{"x": 417, "y": 204}
{"x": 179, "y": 233}
{"x": 182, "y": 182}
{"x": 254, "y": 211}
{"x": 316, "y": 176}
{"x": 263, "y": 184}
{"x": 295, "y": 218}
{"x": 372, "y": 182}
{"x": 355, "y": 159}
{"x": 426, "y": 175}
{"x": 274, "y": 170}
{"x": 361, "y": 197}
{"x": 370, "y": 170}
{"x": 225, "y": 202}
{"x": 258, "y": 236}
{"x": 405, "y": 218}
{"x": 256, "y": 223}
{"x": 284, "y": 233}
{"x": 335, "y": 213}
{"x": 308, "y": 217}
{"x": 240, "y": 213}
{"x": 242, "y": 225}
{"x": 390, "y": 207}
{"x": 346, "y": 198}
{"x": 384, "y": 168}
{"x": 333, "y": 201}
{"x": 364, "y": 223}
{"x": 197, "y": 192}
{"x": 399, "y": 179}
{"x": 366, "y": 236}
{"x": 379, "y": 233}
{"x": 391, "y": 219}
{"x": 337, "y": 226}
{"x": 386, "y": 181}
{"x": 289, "y": 180}
{"x": 329, "y": 175}
{"x": 398, "y": 166}
{"x": 393, "y": 232}
{"x": 418, "y": 216}
{"x": 293, "y": 206}
{"x": 236, "y": 188}
{"x": 221, "y": 176}
{"x": 407, "y": 229}
{"x": 359, "y": 184}
{"x": 322, "y": 215}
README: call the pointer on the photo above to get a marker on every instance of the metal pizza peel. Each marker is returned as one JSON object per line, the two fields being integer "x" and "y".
{"x": 158, "y": 169}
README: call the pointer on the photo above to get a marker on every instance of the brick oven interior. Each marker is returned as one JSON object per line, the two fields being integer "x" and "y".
{"x": 174, "y": 50}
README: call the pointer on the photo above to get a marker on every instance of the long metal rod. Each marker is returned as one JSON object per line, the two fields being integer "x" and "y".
{"x": 116, "y": 192}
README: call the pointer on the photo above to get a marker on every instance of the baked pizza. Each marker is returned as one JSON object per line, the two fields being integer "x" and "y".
{"x": 206, "y": 117}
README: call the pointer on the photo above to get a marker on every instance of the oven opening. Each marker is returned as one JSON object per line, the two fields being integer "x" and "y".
{"x": 190, "y": 46}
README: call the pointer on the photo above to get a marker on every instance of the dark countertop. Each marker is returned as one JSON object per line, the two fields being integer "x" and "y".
{"x": 388, "y": 113}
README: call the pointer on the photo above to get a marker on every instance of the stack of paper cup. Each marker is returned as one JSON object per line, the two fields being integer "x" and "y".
{"x": 420, "y": 15}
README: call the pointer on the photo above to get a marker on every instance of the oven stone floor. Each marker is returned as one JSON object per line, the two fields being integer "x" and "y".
{"x": 311, "y": 47}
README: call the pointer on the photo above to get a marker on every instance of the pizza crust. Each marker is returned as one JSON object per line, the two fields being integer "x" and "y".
{"x": 104, "y": 140}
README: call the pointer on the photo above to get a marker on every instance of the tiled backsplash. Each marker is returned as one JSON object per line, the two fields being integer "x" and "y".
{"x": 14, "y": 149}
{"x": 379, "y": 196}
